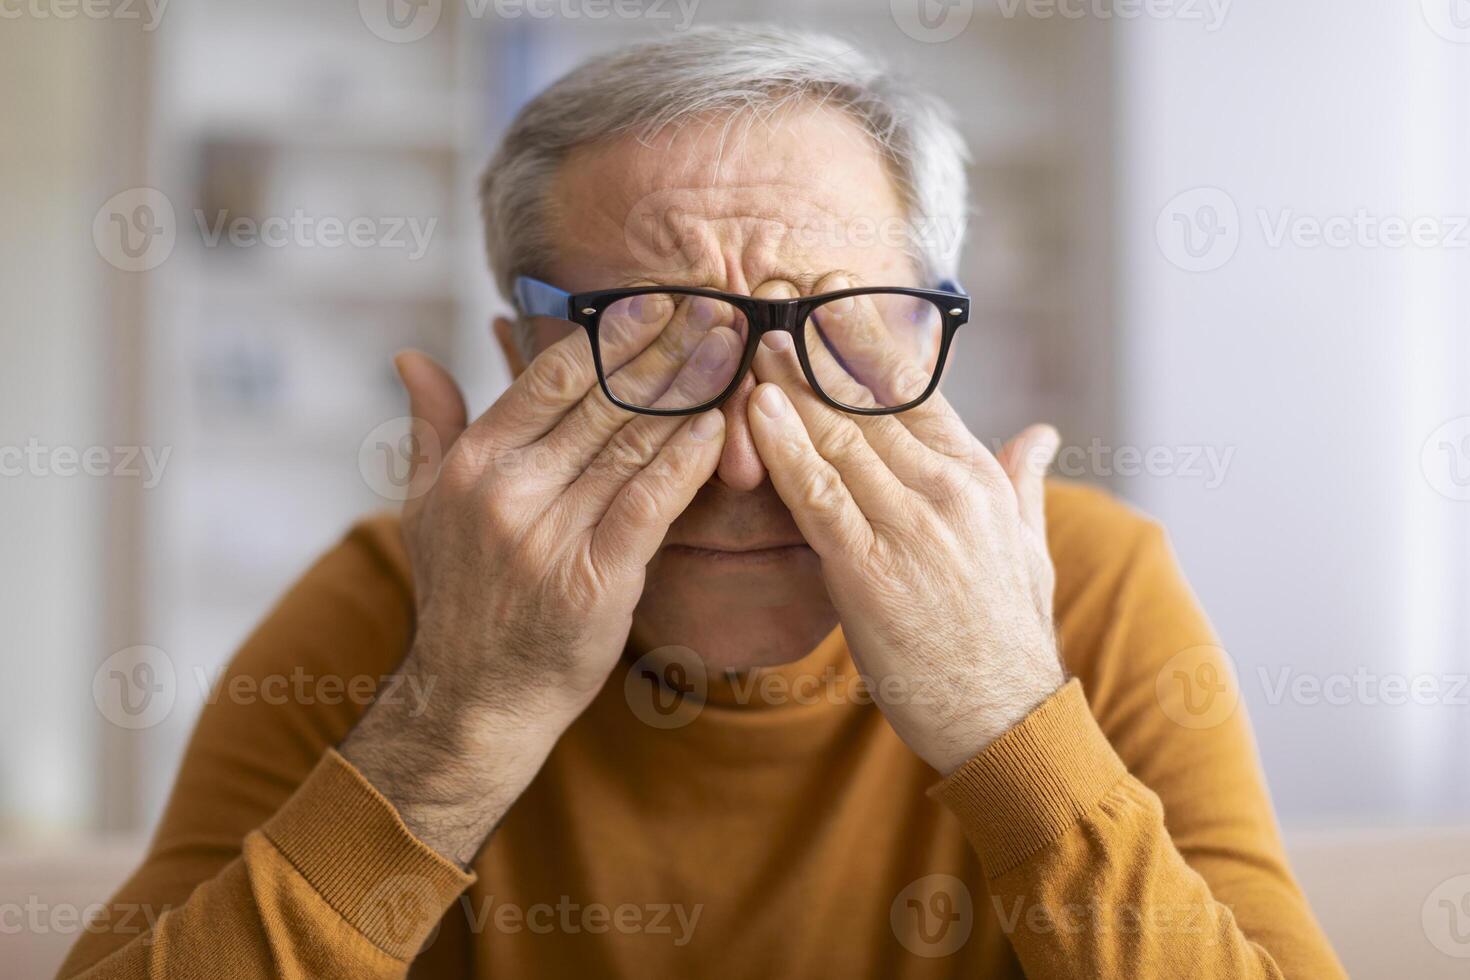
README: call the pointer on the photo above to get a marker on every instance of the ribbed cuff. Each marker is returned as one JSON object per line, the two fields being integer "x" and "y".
{"x": 1034, "y": 782}
{"x": 348, "y": 842}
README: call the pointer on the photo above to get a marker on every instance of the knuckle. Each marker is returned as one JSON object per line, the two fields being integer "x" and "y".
{"x": 822, "y": 492}
{"x": 634, "y": 447}
{"x": 500, "y": 522}
{"x": 643, "y": 501}
{"x": 909, "y": 380}
{"x": 845, "y": 441}
{"x": 556, "y": 374}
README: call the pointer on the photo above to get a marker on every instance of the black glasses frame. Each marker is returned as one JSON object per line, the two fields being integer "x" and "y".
{"x": 768, "y": 316}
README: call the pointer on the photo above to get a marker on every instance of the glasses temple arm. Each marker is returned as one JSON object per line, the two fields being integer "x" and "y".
{"x": 533, "y": 297}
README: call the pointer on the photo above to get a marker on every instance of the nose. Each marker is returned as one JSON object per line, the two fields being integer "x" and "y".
{"x": 740, "y": 465}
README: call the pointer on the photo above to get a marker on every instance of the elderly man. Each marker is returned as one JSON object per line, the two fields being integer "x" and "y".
{"x": 742, "y": 656}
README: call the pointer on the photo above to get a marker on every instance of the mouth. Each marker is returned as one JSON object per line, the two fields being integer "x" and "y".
{"x": 741, "y": 553}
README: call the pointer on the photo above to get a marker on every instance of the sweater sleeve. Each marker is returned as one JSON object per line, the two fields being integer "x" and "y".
{"x": 1124, "y": 825}
{"x": 274, "y": 857}
{"x": 333, "y": 885}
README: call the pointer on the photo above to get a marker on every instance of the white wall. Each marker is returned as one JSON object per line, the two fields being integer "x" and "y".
{"x": 1328, "y": 548}
{"x": 49, "y": 525}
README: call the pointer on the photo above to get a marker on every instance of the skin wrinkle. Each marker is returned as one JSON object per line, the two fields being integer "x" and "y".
{"x": 734, "y": 216}
{"x": 743, "y": 222}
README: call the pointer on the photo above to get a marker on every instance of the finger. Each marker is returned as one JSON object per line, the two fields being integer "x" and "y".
{"x": 555, "y": 381}
{"x": 655, "y": 352}
{"x": 639, "y": 442}
{"x": 812, "y": 488}
{"x": 870, "y": 452}
{"x": 1026, "y": 459}
{"x": 642, "y": 360}
{"x": 582, "y": 440}
{"x": 439, "y": 415}
{"x": 896, "y": 377}
{"x": 886, "y": 346}
{"x": 433, "y": 394}
{"x": 635, "y": 523}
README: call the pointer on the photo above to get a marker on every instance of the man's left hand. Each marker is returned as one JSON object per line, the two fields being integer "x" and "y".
{"x": 933, "y": 549}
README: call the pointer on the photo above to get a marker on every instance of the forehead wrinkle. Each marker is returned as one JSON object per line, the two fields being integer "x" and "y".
{"x": 778, "y": 222}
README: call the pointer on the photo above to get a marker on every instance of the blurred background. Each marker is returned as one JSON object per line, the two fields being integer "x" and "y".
{"x": 1224, "y": 246}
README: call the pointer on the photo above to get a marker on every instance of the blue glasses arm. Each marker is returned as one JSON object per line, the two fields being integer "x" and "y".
{"x": 536, "y": 298}
{"x": 950, "y": 286}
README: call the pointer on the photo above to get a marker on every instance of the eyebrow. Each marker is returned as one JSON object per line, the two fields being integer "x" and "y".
{"x": 805, "y": 282}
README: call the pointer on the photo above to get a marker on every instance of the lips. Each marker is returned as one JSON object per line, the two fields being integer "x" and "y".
{"x": 741, "y": 555}
{"x": 735, "y": 548}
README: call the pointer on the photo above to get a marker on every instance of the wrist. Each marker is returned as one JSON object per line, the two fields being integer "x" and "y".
{"x": 1003, "y": 711}
{"x": 451, "y": 769}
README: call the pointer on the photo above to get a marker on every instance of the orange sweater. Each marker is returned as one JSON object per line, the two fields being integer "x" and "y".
{"x": 1121, "y": 830}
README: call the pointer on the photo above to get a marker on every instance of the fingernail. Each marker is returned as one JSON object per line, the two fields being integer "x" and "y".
{"x": 777, "y": 340}
{"x": 646, "y": 307}
{"x": 703, "y": 312}
{"x": 712, "y": 353}
{"x": 839, "y": 305}
{"x": 398, "y": 369}
{"x": 1051, "y": 440}
{"x": 771, "y": 402}
{"x": 706, "y": 426}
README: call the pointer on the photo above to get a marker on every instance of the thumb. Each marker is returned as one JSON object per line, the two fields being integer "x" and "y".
{"x": 1026, "y": 459}
{"x": 437, "y": 408}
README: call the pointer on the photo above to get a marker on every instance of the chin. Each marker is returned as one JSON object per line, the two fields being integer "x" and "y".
{"x": 736, "y": 610}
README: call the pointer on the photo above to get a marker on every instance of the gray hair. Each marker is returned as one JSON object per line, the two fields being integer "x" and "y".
{"x": 753, "y": 70}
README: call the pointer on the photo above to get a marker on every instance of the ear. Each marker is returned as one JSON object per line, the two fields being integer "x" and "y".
{"x": 505, "y": 333}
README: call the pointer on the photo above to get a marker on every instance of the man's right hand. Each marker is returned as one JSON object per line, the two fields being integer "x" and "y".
{"x": 528, "y": 551}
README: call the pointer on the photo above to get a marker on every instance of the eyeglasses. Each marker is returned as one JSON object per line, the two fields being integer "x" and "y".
{"x": 669, "y": 350}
